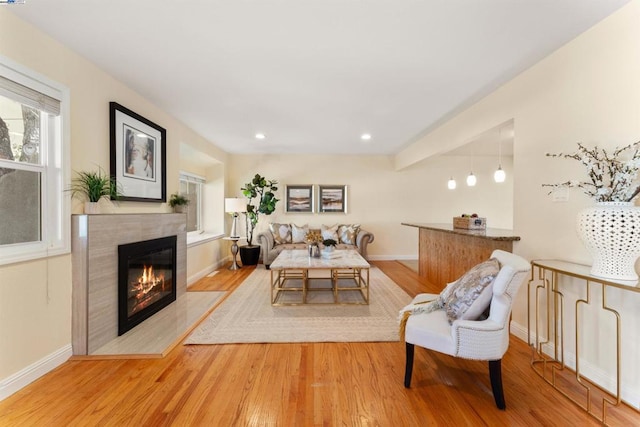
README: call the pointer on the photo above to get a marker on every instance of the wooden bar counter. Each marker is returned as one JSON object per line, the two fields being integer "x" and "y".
{"x": 446, "y": 253}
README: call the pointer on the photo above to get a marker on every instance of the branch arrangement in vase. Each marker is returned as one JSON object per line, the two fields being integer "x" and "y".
{"x": 612, "y": 175}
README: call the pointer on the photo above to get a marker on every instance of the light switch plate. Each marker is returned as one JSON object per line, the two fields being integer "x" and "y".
{"x": 560, "y": 194}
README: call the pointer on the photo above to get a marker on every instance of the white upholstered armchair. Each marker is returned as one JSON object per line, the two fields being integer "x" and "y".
{"x": 486, "y": 339}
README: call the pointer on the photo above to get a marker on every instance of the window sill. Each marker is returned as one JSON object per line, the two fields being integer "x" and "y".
{"x": 195, "y": 239}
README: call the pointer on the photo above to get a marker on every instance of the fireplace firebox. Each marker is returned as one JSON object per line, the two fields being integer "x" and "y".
{"x": 146, "y": 280}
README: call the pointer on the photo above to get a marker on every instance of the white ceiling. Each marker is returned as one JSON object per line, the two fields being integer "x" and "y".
{"x": 313, "y": 75}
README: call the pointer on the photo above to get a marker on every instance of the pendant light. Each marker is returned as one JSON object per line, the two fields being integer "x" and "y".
{"x": 471, "y": 179}
{"x": 499, "y": 175}
{"x": 451, "y": 184}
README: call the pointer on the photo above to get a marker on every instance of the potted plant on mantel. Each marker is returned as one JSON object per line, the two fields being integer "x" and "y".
{"x": 263, "y": 190}
{"x": 93, "y": 186}
{"x": 178, "y": 202}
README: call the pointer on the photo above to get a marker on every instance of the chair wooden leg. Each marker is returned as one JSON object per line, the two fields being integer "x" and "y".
{"x": 495, "y": 372}
{"x": 408, "y": 369}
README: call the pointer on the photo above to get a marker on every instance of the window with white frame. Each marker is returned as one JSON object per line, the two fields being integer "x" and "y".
{"x": 191, "y": 186}
{"x": 34, "y": 214}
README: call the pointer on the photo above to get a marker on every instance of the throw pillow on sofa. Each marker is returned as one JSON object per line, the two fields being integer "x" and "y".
{"x": 329, "y": 232}
{"x": 281, "y": 233}
{"x": 298, "y": 234}
{"x": 348, "y": 233}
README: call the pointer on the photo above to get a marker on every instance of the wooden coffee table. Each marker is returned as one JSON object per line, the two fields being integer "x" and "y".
{"x": 295, "y": 265}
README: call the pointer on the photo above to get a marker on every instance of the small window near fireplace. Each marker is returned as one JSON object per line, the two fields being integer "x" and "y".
{"x": 146, "y": 280}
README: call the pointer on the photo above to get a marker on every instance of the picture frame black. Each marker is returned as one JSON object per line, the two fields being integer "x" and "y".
{"x": 332, "y": 198}
{"x": 299, "y": 198}
{"x": 138, "y": 155}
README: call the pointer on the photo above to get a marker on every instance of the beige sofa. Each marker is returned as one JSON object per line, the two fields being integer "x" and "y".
{"x": 277, "y": 238}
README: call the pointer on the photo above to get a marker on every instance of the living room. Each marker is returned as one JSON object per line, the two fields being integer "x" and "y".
{"x": 587, "y": 90}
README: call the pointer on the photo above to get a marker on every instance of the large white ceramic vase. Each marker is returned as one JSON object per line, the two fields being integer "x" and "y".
{"x": 611, "y": 233}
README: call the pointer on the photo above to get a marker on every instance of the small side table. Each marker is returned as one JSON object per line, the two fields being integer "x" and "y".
{"x": 234, "y": 252}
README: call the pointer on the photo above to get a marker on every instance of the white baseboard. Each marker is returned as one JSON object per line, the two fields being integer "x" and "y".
{"x": 594, "y": 373}
{"x": 26, "y": 376}
{"x": 518, "y": 330}
{"x": 206, "y": 271}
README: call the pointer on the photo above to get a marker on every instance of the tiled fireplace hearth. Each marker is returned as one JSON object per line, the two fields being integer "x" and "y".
{"x": 95, "y": 244}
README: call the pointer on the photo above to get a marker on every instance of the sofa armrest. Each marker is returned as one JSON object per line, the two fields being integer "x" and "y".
{"x": 266, "y": 242}
{"x": 266, "y": 238}
{"x": 363, "y": 239}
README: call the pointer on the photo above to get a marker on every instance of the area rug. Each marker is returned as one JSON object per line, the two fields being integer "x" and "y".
{"x": 247, "y": 316}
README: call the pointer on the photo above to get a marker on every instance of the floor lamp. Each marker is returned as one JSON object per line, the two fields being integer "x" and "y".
{"x": 234, "y": 206}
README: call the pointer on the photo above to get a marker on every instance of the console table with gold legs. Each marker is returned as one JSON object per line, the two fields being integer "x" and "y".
{"x": 548, "y": 329}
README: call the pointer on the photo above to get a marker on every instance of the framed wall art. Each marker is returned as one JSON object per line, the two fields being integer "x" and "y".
{"x": 299, "y": 198}
{"x": 138, "y": 155}
{"x": 332, "y": 198}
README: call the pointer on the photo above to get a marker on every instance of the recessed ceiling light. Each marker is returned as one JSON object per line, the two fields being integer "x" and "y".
{"x": 365, "y": 137}
{"x": 260, "y": 136}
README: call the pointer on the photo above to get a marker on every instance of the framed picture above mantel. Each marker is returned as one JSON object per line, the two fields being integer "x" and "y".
{"x": 332, "y": 198}
{"x": 138, "y": 155}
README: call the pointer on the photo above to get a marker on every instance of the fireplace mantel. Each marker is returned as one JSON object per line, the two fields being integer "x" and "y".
{"x": 94, "y": 244}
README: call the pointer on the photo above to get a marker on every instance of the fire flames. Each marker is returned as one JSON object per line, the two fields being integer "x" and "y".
{"x": 148, "y": 286}
{"x": 149, "y": 279}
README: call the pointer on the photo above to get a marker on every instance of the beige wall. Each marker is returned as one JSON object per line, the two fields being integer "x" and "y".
{"x": 380, "y": 198}
{"x": 587, "y": 91}
{"x": 204, "y": 258}
{"x": 35, "y": 311}
{"x": 35, "y": 297}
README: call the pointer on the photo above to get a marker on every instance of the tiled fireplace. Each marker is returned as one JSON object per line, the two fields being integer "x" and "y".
{"x": 149, "y": 251}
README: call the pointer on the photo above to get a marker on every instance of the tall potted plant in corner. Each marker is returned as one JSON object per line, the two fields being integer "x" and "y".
{"x": 93, "y": 186}
{"x": 262, "y": 190}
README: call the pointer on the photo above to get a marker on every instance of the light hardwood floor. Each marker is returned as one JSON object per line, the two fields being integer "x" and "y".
{"x": 324, "y": 384}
